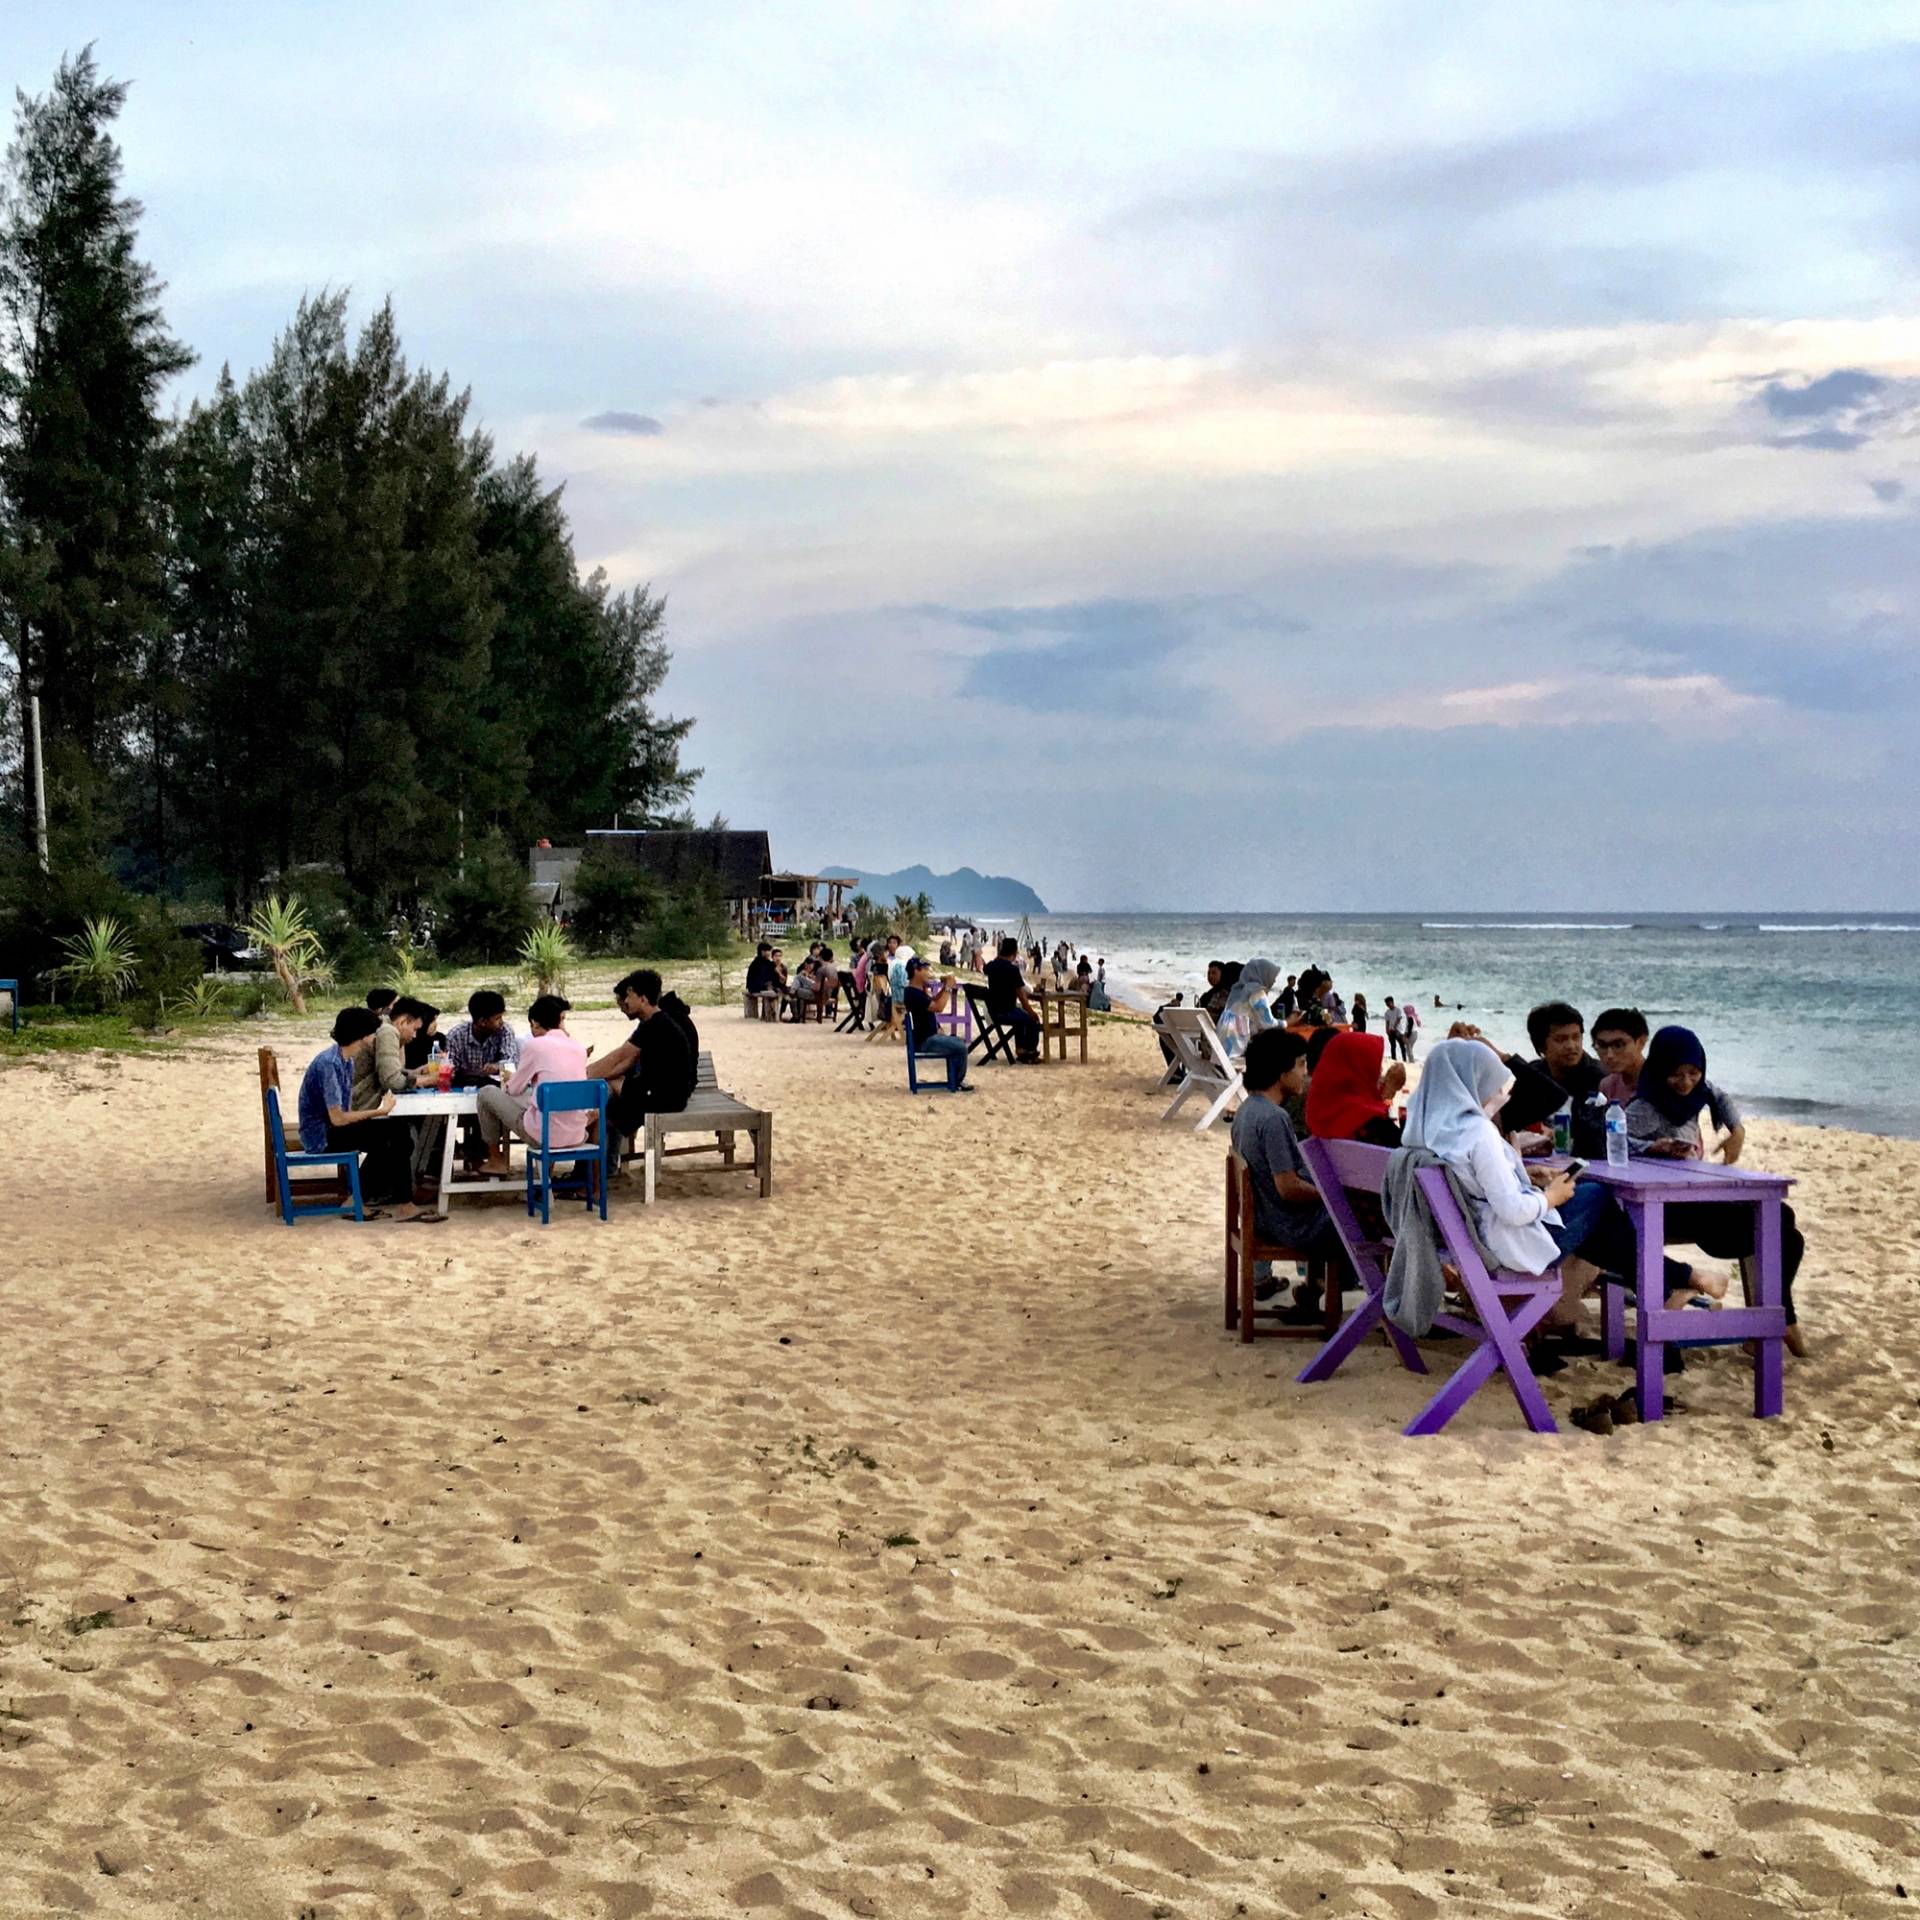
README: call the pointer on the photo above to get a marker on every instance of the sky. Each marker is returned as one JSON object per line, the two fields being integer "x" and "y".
{"x": 1190, "y": 456}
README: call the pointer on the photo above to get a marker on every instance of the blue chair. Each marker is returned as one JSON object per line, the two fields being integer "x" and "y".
{"x": 283, "y": 1161}
{"x": 954, "y": 1065}
{"x": 11, "y": 988}
{"x": 569, "y": 1096}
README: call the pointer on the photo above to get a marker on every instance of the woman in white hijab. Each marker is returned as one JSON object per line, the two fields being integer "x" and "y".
{"x": 1464, "y": 1084}
{"x": 1249, "y": 1006}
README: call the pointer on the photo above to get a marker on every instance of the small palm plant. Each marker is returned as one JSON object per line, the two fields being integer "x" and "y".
{"x": 100, "y": 960}
{"x": 281, "y": 930}
{"x": 206, "y": 999}
{"x": 546, "y": 956}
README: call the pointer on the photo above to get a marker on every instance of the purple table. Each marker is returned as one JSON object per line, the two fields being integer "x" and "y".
{"x": 1646, "y": 1188}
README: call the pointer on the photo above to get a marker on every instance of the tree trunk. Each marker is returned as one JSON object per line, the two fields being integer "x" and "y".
{"x": 290, "y": 981}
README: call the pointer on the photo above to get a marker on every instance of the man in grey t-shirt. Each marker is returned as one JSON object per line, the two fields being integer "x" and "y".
{"x": 1287, "y": 1206}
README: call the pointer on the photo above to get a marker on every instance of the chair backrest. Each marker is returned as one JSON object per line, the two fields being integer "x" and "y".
{"x": 570, "y": 1096}
{"x": 1346, "y": 1163}
{"x": 276, "y": 1129}
{"x": 1197, "y": 1042}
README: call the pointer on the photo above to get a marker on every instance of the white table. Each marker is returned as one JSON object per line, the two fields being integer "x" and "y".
{"x": 423, "y": 1104}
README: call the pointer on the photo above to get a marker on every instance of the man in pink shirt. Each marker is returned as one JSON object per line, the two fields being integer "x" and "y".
{"x": 552, "y": 1055}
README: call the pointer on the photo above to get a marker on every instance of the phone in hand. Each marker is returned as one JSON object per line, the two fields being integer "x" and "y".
{"x": 1574, "y": 1169}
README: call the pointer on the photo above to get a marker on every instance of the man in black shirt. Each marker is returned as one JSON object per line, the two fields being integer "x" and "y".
{"x": 652, "y": 1070}
{"x": 1559, "y": 1037}
{"x": 1007, "y": 1001}
{"x": 762, "y": 975}
{"x": 926, "y": 1000}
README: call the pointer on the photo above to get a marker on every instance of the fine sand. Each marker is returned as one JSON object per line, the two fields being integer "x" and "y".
{"x": 915, "y": 1543}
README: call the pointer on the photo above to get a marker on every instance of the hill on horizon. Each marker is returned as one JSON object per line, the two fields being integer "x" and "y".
{"x": 962, "y": 891}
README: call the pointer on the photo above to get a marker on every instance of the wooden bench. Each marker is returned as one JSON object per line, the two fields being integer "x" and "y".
{"x": 720, "y": 1119}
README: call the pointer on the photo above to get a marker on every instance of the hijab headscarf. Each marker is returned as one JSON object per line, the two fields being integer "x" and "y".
{"x": 1449, "y": 1106}
{"x": 1344, "y": 1093}
{"x": 1673, "y": 1047}
{"x": 1255, "y": 978}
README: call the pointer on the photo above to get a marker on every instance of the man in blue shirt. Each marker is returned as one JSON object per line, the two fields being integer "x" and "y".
{"x": 328, "y": 1123}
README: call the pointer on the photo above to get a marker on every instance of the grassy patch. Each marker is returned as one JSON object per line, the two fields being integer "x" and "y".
{"x": 900, "y": 1540}
{"x": 90, "y": 1622}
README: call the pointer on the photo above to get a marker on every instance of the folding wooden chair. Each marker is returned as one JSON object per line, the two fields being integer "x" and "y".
{"x": 1210, "y": 1070}
{"x": 1244, "y": 1248}
{"x": 1340, "y": 1168}
{"x": 992, "y": 1038}
{"x": 855, "y": 1017}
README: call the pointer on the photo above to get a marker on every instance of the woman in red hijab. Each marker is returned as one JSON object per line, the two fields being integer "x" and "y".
{"x": 1348, "y": 1094}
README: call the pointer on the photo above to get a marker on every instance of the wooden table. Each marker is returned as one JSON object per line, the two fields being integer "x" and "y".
{"x": 425, "y": 1104}
{"x": 1063, "y": 1014}
{"x": 1646, "y": 1188}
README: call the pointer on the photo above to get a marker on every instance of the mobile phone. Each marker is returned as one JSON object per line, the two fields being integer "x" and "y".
{"x": 1574, "y": 1169}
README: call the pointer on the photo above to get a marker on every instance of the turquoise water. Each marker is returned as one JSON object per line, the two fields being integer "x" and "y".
{"x": 1813, "y": 1018}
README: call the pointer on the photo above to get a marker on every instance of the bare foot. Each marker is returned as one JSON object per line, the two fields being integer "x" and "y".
{"x": 1796, "y": 1342}
{"x": 1713, "y": 1285}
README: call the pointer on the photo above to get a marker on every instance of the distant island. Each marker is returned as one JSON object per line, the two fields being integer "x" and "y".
{"x": 963, "y": 891}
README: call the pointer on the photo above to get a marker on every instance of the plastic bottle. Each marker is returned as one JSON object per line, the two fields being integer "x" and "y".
{"x": 442, "y": 1067}
{"x": 1616, "y": 1135}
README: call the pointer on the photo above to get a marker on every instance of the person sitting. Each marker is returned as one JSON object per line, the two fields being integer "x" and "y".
{"x": 381, "y": 1068}
{"x": 1663, "y": 1122}
{"x": 1214, "y": 999}
{"x": 1099, "y": 1000}
{"x": 1315, "y": 987}
{"x": 1527, "y": 1219}
{"x": 550, "y": 1056}
{"x": 1332, "y": 1005}
{"x": 1009, "y": 1004}
{"x": 763, "y": 977}
{"x": 1249, "y": 1009}
{"x": 379, "y": 999}
{"x": 1286, "y": 1003}
{"x": 947, "y": 957}
{"x": 925, "y": 1002}
{"x": 1318, "y": 1041}
{"x": 653, "y": 1069}
{"x": 1083, "y": 973}
{"x": 1348, "y": 1093}
{"x": 419, "y": 1050}
{"x": 1620, "y": 1044}
{"x": 1558, "y": 1034}
{"x": 1287, "y": 1207}
{"x": 815, "y": 984}
{"x": 483, "y": 1047}
{"x": 331, "y": 1123}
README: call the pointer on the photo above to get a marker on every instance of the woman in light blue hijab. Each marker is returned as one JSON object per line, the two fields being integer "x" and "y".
{"x": 1249, "y": 1006}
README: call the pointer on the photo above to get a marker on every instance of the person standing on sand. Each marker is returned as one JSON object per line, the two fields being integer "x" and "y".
{"x": 1409, "y": 1027}
{"x": 1393, "y": 1026}
{"x": 1358, "y": 1020}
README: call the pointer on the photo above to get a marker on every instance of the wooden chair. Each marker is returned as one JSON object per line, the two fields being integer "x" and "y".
{"x": 1244, "y": 1247}
{"x": 345, "y": 1167}
{"x": 569, "y": 1096}
{"x": 855, "y": 1017}
{"x": 319, "y": 1183}
{"x": 1210, "y": 1070}
{"x": 1506, "y": 1306}
{"x": 992, "y": 1037}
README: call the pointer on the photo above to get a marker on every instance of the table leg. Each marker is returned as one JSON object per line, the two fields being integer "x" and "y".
{"x": 1613, "y": 1321}
{"x": 449, "y": 1126}
{"x": 1768, "y": 1387}
{"x": 1649, "y": 1225}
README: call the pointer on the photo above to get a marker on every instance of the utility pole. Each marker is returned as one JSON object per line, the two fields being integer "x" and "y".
{"x": 39, "y": 783}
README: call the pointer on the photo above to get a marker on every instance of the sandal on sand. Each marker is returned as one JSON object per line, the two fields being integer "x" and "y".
{"x": 1596, "y": 1416}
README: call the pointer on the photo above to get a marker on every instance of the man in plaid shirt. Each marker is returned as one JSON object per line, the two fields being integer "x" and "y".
{"x": 483, "y": 1044}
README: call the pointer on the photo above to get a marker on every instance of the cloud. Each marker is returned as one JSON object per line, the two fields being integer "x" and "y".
{"x": 1852, "y": 404}
{"x": 1887, "y": 490}
{"x": 643, "y": 424}
{"x": 1840, "y": 391}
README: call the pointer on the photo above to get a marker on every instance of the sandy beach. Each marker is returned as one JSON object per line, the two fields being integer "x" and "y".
{"x": 914, "y": 1543}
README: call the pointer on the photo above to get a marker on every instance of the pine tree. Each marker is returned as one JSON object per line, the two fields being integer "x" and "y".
{"x": 84, "y": 353}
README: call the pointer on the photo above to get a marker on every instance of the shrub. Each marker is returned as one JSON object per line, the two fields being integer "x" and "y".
{"x": 546, "y": 956}
{"x": 612, "y": 902}
{"x": 487, "y": 908}
{"x": 98, "y": 963}
{"x": 686, "y": 926}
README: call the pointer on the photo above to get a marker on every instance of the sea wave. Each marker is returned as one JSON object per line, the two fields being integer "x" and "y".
{"x": 1847, "y": 926}
{"x": 1528, "y": 926}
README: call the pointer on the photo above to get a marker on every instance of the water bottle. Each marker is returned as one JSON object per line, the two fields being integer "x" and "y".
{"x": 1616, "y": 1134}
{"x": 442, "y": 1068}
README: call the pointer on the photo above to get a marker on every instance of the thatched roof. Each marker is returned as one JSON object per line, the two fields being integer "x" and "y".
{"x": 734, "y": 864}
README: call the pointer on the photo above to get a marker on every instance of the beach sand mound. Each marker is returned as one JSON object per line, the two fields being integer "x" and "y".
{"x": 915, "y": 1543}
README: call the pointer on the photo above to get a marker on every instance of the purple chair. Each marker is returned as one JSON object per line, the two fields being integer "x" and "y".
{"x": 1507, "y": 1306}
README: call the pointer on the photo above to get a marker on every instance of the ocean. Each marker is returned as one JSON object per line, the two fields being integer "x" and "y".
{"x": 1813, "y": 1018}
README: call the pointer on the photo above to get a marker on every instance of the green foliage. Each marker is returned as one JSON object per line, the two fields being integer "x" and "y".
{"x": 686, "y": 925}
{"x": 205, "y": 999}
{"x": 99, "y": 965}
{"x": 84, "y": 353}
{"x": 486, "y": 908}
{"x": 870, "y": 920}
{"x": 613, "y": 902}
{"x": 912, "y": 918}
{"x": 546, "y": 957}
{"x": 281, "y": 930}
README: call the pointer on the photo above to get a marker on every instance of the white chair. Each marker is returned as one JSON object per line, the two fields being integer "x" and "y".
{"x": 1210, "y": 1071}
